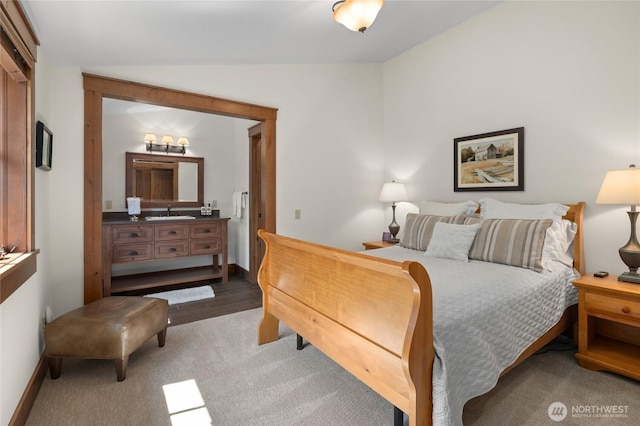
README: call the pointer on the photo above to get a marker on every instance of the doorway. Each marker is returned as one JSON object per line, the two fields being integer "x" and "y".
{"x": 95, "y": 89}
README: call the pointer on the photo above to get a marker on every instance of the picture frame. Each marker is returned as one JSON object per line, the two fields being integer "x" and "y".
{"x": 489, "y": 161}
{"x": 44, "y": 146}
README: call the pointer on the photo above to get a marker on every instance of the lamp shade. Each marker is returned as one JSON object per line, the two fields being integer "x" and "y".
{"x": 167, "y": 140}
{"x": 150, "y": 138}
{"x": 183, "y": 141}
{"x": 620, "y": 187}
{"x": 393, "y": 192}
{"x": 357, "y": 15}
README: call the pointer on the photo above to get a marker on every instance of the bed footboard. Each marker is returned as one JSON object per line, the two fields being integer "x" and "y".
{"x": 371, "y": 316}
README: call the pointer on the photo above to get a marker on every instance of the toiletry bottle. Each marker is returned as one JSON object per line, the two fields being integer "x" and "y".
{"x": 203, "y": 211}
{"x": 209, "y": 209}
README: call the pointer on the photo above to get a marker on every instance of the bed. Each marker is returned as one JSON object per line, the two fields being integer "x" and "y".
{"x": 375, "y": 315}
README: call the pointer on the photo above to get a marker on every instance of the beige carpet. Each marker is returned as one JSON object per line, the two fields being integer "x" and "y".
{"x": 213, "y": 372}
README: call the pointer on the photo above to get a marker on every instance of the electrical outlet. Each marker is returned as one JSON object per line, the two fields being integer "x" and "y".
{"x": 214, "y": 204}
{"x": 297, "y": 214}
{"x": 108, "y": 204}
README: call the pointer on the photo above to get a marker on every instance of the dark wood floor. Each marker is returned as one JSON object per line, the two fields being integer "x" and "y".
{"x": 233, "y": 296}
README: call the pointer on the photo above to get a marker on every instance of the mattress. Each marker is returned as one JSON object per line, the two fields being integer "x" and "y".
{"x": 484, "y": 316}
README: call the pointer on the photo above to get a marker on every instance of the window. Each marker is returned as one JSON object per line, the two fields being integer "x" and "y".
{"x": 17, "y": 60}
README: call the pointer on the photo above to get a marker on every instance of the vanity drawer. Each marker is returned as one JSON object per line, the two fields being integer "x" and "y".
{"x": 168, "y": 249}
{"x": 132, "y": 233}
{"x": 206, "y": 230}
{"x": 206, "y": 246}
{"x": 132, "y": 252}
{"x": 621, "y": 308}
{"x": 171, "y": 232}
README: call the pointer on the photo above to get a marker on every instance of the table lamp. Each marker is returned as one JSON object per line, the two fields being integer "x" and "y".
{"x": 623, "y": 187}
{"x": 393, "y": 192}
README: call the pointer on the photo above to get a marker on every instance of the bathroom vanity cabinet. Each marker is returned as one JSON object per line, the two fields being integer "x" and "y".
{"x": 151, "y": 245}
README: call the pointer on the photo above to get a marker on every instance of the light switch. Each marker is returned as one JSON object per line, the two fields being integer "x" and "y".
{"x": 108, "y": 204}
{"x": 297, "y": 214}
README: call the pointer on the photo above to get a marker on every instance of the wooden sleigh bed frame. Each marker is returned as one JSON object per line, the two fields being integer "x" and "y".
{"x": 370, "y": 315}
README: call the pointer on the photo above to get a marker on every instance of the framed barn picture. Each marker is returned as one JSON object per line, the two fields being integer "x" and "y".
{"x": 489, "y": 161}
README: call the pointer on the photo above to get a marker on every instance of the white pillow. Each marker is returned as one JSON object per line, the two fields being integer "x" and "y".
{"x": 494, "y": 209}
{"x": 558, "y": 243}
{"x": 452, "y": 241}
{"x": 435, "y": 208}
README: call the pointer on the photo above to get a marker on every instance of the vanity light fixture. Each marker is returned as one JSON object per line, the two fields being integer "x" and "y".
{"x": 357, "y": 15}
{"x": 166, "y": 144}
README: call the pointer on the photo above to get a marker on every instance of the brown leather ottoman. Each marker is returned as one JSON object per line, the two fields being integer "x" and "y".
{"x": 109, "y": 328}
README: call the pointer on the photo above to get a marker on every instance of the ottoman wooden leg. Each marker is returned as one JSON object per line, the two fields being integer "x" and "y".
{"x": 162, "y": 336}
{"x": 121, "y": 367}
{"x": 55, "y": 366}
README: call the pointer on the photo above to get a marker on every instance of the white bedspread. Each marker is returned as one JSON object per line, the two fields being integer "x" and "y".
{"x": 485, "y": 315}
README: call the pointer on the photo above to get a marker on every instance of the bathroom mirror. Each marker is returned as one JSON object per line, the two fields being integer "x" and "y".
{"x": 165, "y": 179}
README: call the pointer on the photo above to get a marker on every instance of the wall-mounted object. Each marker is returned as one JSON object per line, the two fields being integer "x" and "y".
{"x": 489, "y": 161}
{"x": 166, "y": 144}
{"x": 160, "y": 180}
{"x": 357, "y": 15}
{"x": 44, "y": 146}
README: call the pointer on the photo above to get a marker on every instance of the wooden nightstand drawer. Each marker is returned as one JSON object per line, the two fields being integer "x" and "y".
{"x": 605, "y": 306}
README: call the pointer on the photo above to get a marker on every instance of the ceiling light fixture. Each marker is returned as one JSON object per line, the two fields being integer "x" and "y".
{"x": 357, "y": 15}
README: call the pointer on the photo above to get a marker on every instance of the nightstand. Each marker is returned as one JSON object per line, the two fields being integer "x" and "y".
{"x": 377, "y": 244}
{"x": 609, "y": 325}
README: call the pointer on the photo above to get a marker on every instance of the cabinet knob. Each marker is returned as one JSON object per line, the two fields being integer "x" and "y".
{"x": 172, "y": 249}
{"x": 133, "y": 235}
{"x": 133, "y": 253}
{"x": 207, "y": 246}
{"x": 172, "y": 232}
{"x": 626, "y": 309}
{"x": 206, "y": 230}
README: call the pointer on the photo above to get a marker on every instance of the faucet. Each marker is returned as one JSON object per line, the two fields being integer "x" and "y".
{"x": 168, "y": 209}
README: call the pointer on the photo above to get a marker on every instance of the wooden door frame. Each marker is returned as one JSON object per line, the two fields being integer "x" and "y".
{"x": 256, "y": 197}
{"x": 95, "y": 89}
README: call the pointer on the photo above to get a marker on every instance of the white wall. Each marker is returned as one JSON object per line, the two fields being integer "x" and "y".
{"x": 569, "y": 72}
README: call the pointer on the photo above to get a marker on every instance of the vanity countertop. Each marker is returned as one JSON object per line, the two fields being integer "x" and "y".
{"x": 109, "y": 218}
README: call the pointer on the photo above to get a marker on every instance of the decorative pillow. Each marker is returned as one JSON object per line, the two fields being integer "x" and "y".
{"x": 452, "y": 241}
{"x": 494, "y": 209}
{"x": 418, "y": 228}
{"x": 447, "y": 209}
{"x": 515, "y": 242}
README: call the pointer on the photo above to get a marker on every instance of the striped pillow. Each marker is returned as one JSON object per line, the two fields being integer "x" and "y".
{"x": 418, "y": 229}
{"x": 515, "y": 242}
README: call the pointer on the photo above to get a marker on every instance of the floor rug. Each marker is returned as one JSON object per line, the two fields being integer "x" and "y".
{"x": 185, "y": 295}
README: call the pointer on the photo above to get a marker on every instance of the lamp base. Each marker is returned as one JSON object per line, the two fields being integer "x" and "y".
{"x": 393, "y": 240}
{"x": 629, "y": 277}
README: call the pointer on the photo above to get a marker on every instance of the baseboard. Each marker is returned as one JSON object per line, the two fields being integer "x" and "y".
{"x": 25, "y": 404}
{"x": 237, "y": 270}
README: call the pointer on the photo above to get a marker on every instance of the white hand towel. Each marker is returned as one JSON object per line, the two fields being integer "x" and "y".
{"x": 133, "y": 205}
{"x": 237, "y": 204}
